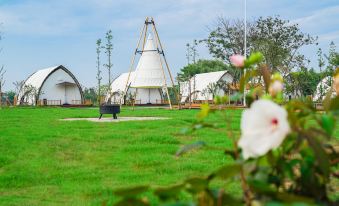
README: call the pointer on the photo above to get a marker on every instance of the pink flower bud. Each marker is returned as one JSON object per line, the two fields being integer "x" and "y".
{"x": 275, "y": 87}
{"x": 237, "y": 60}
{"x": 336, "y": 84}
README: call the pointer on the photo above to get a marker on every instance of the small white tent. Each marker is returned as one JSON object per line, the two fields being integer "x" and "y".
{"x": 118, "y": 86}
{"x": 201, "y": 85}
{"x": 51, "y": 86}
{"x": 323, "y": 88}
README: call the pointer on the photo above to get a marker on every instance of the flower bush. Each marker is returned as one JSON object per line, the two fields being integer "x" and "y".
{"x": 286, "y": 153}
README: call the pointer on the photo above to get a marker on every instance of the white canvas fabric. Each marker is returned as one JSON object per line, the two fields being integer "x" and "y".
{"x": 149, "y": 72}
{"x": 53, "y": 83}
{"x": 119, "y": 84}
{"x": 323, "y": 88}
{"x": 199, "y": 84}
{"x": 37, "y": 78}
{"x": 118, "y": 87}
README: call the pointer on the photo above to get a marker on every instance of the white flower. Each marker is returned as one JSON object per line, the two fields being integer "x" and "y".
{"x": 263, "y": 127}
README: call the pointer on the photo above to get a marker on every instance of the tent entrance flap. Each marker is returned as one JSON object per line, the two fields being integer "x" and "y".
{"x": 66, "y": 85}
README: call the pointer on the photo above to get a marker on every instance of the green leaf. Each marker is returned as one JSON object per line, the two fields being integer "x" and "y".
{"x": 334, "y": 104}
{"x": 225, "y": 199}
{"x": 217, "y": 100}
{"x": 261, "y": 187}
{"x": 226, "y": 171}
{"x": 327, "y": 123}
{"x": 236, "y": 96}
{"x": 204, "y": 110}
{"x": 291, "y": 198}
{"x": 131, "y": 192}
{"x": 327, "y": 99}
{"x": 230, "y": 153}
{"x": 254, "y": 58}
{"x": 179, "y": 204}
{"x": 196, "y": 184}
{"x": 132, "y": 202}
{"x": 169, "y": 192}
{"x": 320, "y": 154}
{"x": 245, "y": 78}
{"x": 190, "y": 147}
{"x": 224, "y": 99}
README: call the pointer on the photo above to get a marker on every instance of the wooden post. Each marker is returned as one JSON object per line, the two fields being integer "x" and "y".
{"x": 132, "y": 61}
{"x": 162, "y": 68}
{"x": 169, "y": 72}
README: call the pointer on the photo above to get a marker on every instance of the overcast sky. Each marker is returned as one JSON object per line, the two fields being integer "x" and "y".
{"x": 43, "y": 33}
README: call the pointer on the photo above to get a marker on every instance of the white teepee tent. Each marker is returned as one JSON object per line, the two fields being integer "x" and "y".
{"x": 149, "y": 80}
{"x": 149, "y": 77}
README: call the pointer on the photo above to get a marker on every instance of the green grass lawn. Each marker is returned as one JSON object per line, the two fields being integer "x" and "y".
{"x": 45, "y": 161}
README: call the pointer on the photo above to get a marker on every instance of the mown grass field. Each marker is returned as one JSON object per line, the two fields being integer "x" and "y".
{"x": 45, "y": 161}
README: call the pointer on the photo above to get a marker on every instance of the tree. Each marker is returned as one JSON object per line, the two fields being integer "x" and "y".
{"x": 98, "y": 51}
{"x": 212, "y": 88}
{"x": 18, "y": 85}
{"x": 277, "y": 39}
{"x": 228, "y": 38}
{"x": 10, "y": 96}
{"x": 191, "y": 52}
{"x": 202, "y": 66}
{"x": 91, "y": 93}
{"x": 29, "y": 92}
{"x": 108, "y": 50}
{"x": 321, "y": 63}
{"x": 332, "y": 58}
{"x": 303, "y": 82}
{"x": 2, "y": 82}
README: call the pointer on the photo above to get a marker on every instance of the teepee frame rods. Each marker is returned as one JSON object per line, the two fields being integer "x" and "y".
{"x": 143, "y": 33}
{"x": 162, "y": 68}
{"x": 167, "y": 67}
{"x": 144, "y": 28}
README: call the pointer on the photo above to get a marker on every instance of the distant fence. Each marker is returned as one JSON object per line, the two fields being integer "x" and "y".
{"x": 76, "y": 101}
{"x": 45, "y": 102}
{"x": 161, "y": 101}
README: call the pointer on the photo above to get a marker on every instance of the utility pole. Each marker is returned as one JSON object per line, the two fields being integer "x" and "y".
{"x": 245, "y": 42}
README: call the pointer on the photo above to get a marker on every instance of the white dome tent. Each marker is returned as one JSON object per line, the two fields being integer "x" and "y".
{"x": 51, "y": 86}
{"x": 117, "y": 88}
{"x": 148, "y": 83}
{"x": 323, "y": 88}
{"x": 200, "y": 84}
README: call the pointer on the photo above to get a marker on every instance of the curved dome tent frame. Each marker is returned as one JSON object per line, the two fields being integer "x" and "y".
{"x": 51, "y": 71}
{"x": 143, "y": 47}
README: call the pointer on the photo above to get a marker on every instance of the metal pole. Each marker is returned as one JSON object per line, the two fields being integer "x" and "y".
{"x": 245, "y": 46}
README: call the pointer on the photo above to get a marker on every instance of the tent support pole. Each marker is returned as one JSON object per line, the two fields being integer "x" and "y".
{"x": 135, "y": 98}
{"x": 162, "y": 68}
{"x": 169, "y": 72}
{"x": 133, "y": 59}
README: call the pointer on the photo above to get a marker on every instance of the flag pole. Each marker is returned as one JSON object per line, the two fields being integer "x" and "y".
{"x": 245, "y": 42}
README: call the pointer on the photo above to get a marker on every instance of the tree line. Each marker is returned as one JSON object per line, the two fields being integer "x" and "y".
{"x": 278, "y": 40}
